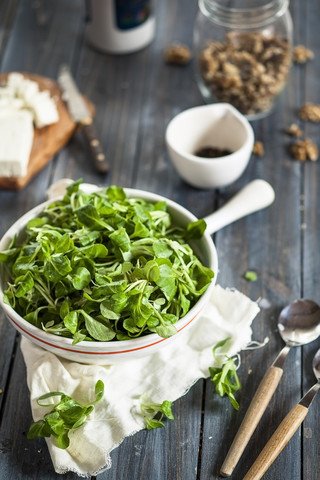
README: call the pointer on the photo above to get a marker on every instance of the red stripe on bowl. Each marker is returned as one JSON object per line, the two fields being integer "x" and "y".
{"x": 94, "y": 353}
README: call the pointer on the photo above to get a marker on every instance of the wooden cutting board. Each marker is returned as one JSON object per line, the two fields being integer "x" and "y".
{"x": 47, "y": 140}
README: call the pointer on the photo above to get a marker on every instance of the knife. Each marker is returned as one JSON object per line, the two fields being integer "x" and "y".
{"x": 81, "y": 115}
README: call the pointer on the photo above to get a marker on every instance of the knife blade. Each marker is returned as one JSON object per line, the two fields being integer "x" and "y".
{"x": 80, "y": 114}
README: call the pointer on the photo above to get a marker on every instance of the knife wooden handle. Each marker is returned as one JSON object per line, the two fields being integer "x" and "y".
{"x": 98, "y": 157}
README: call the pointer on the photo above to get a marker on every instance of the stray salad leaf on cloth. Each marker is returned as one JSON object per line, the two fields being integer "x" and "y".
{"x": 101, "y": 266}
{"x": 66, "y": 415}
{"x": 150, "y": 409}
{"x": 225, "y": 377}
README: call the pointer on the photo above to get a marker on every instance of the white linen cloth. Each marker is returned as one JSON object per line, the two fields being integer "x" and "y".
{"x": 161, "y": 376}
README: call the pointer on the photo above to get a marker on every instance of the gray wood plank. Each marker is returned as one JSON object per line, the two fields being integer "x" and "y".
{"x": 7, "y": 15}
{"x": 8, "y": 339}
{"x": 21, "y": 458}
{"x": 310, "y": 241}
{"x": 268, "y": 242}
{"x": 154, "y": 454}
{"x": 44, "y": 34}
{"x": 37, "y": 43}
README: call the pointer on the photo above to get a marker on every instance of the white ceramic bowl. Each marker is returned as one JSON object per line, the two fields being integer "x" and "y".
{"x": 218, "y": 125}
{"x": 104, "y": 353}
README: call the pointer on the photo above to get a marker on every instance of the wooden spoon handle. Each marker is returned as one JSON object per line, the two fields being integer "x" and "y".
{"x": 277, "y": 442}
{"x": 251, "y": 419}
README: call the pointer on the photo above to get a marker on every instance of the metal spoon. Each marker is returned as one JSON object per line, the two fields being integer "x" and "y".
{"x": 286, "y": 429}
{"x": 298, "y": 324}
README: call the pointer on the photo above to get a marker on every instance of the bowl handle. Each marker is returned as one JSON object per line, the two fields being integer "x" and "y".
{"x": 255, "y": 196}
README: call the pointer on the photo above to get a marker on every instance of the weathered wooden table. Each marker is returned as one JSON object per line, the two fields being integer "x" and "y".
{"x": 135, "y": 96}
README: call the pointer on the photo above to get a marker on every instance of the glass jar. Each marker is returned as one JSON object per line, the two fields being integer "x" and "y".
{"x": 243, "y": 52}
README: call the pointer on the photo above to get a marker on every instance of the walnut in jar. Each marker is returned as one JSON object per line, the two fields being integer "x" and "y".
{"x": 248, "y": 70}
{"x": 243, "y": 53}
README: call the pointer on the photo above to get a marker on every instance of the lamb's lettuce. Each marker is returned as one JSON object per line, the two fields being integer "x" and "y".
{"x": 102, "y": 266}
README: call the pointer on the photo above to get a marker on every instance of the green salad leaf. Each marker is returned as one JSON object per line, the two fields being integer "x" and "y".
{"x": 104, "y": 267}
{"x": 251, "y": 276}
{"x": 225, "y": 377}
{"x": 154, "y": 413}
{"x": 65, "y": 416}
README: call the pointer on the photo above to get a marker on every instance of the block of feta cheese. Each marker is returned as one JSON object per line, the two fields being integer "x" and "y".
{"x": 23, "y": 107}
{"x": 44, "y": 109}
{"x": 7, "y": 92}
{"x": 27, "y": 89}
{"x": 11, "y": 103}
{"x": 14, "y": 80}
{"x": 16, "y": 127}
{"x": 39, "y": 102}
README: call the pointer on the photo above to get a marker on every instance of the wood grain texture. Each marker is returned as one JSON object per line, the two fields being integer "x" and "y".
{"x": 277, "y": 442}
{"x": 7, "y": 15}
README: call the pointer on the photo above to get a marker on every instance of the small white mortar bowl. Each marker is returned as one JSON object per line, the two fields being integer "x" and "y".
{"x": 218, "y": 125}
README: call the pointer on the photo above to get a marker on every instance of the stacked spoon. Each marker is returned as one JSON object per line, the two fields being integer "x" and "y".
{"x": 299, "y": 324}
